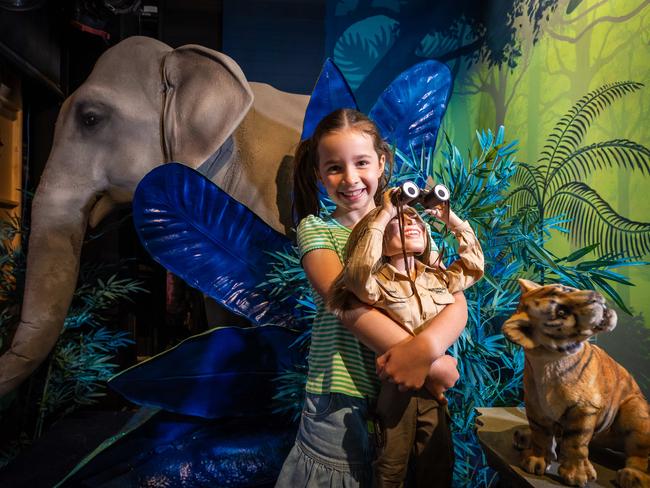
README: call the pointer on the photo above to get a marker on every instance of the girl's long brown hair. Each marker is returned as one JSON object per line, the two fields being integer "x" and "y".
{"x": 305, "y": 173}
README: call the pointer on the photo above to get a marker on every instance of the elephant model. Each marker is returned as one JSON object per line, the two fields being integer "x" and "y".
{"x": 143, "y": 105}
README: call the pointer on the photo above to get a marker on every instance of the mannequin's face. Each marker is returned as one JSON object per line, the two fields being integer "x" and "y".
{"x": 414, "y": 237}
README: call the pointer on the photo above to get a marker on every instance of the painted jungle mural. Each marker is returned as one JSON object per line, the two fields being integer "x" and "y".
{"x": 569, "y": 80}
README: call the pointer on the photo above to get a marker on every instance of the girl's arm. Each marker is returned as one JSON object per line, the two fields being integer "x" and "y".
{"x": 374, "y": 329}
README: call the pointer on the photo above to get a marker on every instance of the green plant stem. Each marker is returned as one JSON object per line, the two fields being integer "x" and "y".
{"x": 42, "y": 406}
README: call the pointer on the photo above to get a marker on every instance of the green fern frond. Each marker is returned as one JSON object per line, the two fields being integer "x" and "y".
{"x": 526, "y": 175}
{"x": 594, "y": 220}
{"x": 569, "y": 132}
{"x": 617, "y": 153}
{"x": 522, "y": 197}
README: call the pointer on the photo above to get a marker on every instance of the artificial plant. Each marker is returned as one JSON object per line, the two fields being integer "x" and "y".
{"x": 82, "y": 360}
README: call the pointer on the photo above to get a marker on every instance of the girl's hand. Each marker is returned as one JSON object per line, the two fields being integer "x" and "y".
{"x": 442, "y": 376}
{"x": 406, "y": 364}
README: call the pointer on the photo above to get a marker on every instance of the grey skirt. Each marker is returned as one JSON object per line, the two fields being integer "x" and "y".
{"x": 333, "y": 447}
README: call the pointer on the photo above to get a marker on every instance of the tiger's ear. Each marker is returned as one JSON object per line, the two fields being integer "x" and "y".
{"x": 517, "y": 329}
{"x": 527, "y": 285}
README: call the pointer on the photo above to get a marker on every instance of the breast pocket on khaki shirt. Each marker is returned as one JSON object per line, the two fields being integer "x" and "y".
{"x": 437, "y": 298}
{"x": 396, "y": 303}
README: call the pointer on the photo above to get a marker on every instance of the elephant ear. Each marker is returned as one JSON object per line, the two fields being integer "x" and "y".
{"x": 330, "y": 93}
{"x": 409, "y": 112}
{"x": 206, "y": 98}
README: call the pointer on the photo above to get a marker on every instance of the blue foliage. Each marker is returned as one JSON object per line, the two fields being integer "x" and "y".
{"x": 163, "y": 449}
{"x": 224, "y": 372}
{"x": 330, "y": 93}
{"x": 408, "y": 113}
{"x": 200, "y": 233}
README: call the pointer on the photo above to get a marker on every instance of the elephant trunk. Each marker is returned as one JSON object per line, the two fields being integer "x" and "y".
{"x": 59, "y": 217}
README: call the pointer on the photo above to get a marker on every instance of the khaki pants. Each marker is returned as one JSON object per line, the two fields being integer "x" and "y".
{"x": 413, "y": 426}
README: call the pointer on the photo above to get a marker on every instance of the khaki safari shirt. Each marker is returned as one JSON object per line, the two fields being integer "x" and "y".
{"x": 390, "y": 290}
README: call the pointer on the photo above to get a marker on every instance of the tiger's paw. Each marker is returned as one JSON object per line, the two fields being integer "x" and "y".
{"x": 534, "y": 464}
{"x": 632, "y": 478}
{"x": 577, "y": 473}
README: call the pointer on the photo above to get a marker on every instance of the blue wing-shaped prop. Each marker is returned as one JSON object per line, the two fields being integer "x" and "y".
{"x": 330, "y": 93}
{"x": 216, "y": 244}
{"x": 409, "y": 112}
{"x": 224, "y": 372}
{"x": 175, "y": 450}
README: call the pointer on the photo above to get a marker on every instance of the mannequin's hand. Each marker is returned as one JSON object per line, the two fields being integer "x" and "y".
{"x": 450, "y": 220}
{"x": 406, "y": 364}
{"x": 442, "y": 376}
{"x": 387, "y": 203}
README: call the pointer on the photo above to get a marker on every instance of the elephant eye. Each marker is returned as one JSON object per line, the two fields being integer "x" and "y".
{"x": 89, "y": 119}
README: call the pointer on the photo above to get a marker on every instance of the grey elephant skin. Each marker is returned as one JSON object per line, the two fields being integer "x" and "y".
{"x": 145, "y": 104}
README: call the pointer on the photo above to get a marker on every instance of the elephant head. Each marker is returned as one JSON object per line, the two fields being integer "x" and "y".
{"x": 145, "y": 104}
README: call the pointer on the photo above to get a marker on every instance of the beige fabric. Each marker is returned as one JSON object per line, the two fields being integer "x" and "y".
{"x": 390, "y": 290}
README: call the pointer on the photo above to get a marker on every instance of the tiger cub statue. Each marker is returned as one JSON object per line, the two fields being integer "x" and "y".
{"x": 574, "y": 392}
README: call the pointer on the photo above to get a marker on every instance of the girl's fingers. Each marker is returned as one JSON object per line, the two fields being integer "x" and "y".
{"x": 380, "y": 363}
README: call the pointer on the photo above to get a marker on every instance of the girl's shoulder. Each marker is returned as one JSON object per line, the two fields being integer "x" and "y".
{"x": 316, "y": 232}
{"x": 313, "y": 223}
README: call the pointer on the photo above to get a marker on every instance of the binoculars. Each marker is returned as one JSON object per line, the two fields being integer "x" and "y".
{"x": 408, "y": 193}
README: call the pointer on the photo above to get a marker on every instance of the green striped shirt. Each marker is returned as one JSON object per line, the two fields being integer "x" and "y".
{"x": 338, "y": 362}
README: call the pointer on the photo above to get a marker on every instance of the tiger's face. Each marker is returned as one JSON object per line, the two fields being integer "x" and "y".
{"x": 557, "y": 317}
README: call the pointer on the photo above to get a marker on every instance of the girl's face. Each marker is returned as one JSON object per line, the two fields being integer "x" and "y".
{"x": 350, "y": 169}
{"x": 414, "y": 238}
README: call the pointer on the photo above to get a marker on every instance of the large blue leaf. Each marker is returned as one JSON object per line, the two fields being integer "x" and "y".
{"x": 216, "y": 244}
{"x": 330, "y": 93}
{"x": 174, "y": 450}
{"x": 408, "y": 113}
{"x": 223, "y": 372}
